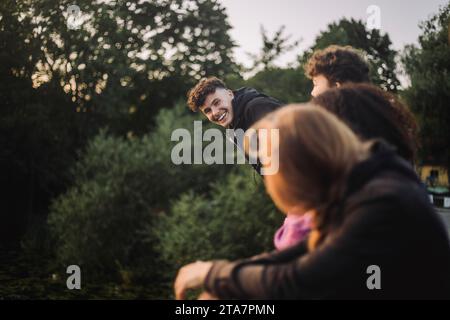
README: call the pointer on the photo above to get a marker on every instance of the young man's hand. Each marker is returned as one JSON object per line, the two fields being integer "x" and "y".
{"x": 191, "y": 276}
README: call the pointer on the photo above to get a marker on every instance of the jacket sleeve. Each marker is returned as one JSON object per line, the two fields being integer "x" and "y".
{"x": 325, "y": 272}
{"x": 307, "y": 277}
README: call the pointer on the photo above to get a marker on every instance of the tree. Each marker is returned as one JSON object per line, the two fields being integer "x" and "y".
{"x": 58, "y": 86}
{"x": 121, "y": 186}
{"x": 39, "y": 128}
{"x": 129, "y": 59}
{"x": 271, "y": 50}
{"x": 428, "y": 67}
{"x": 375, "y": 45}
{"x": 286, "y": 84}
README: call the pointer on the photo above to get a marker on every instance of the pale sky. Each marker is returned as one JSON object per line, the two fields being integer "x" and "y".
{"x": 304, "y": 19}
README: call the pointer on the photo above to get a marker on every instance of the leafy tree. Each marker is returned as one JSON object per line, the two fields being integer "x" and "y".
{"x": 272, "y": 49}
{"x": 128, "y": 59}
{"x": 428, "y": 67}
{"x": 39, "y": 128}
{"x": 106, "y": 220}
{"x": 286, "y": 84}
{"x": 59, "y": 86}
{"x": 376, "y": 46}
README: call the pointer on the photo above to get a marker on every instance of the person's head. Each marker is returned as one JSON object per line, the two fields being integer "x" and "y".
{"x": 316, "y": 153}
{"x": 334, "y": 66}
{"x": 373, "y": 113}
{"x": 213, "y": 99}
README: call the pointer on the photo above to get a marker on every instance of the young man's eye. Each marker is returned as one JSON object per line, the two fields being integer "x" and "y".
{"x": 206, "y": 111}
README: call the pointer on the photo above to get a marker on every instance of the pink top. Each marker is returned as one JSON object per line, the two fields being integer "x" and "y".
{"x": 295, "y": 229}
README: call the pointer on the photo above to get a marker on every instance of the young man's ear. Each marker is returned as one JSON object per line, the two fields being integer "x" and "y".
{"x": 230, "y": 92}
{"x": 338, "y": 84}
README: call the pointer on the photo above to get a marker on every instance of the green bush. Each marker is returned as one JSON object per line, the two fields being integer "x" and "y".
{"x": 121, "y": 187}
{"x": 235, "y": 220}
{"x": 134, "y": 217}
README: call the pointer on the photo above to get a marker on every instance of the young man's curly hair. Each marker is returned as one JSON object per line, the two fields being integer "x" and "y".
{"x": 338, "y": 64}
{"x": 197, "y": 95}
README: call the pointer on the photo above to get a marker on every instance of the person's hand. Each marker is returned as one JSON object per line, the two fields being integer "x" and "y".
{"x": 191, "y": 276}
{"x": 206, "y": 296}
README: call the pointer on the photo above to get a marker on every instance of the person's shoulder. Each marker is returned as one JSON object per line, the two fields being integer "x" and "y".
{"x": 254, "y": 97}
{"x": 396, "y": 184}
{"x": 261, "y": 104}
{"x": 390, "y": 197}
{"x": 242, "y": 91}
{"x": 389, "y": 185}
{"x": 263, "y": 99}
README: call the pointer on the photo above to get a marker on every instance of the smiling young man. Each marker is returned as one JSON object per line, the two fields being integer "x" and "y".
{"x": 334, "y": 66}
{"x": 240, "y": 109}
{"x": 237, "y": 109}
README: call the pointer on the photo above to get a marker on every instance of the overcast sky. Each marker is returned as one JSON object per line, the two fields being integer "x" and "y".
{"x": 304, "y": 19}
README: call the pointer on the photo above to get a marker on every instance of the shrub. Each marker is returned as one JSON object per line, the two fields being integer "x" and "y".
{"x": 235, "y": 220}
{"x": 121, "y": 186}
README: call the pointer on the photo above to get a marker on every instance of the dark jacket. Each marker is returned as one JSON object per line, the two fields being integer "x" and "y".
{"x": 249, "y": 106}
{"x": 389, "y": 223}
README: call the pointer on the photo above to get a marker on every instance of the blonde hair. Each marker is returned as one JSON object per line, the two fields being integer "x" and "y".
{"x": 316, "y": 154}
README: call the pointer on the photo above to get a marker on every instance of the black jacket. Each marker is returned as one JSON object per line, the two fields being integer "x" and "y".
{"x": 249, "y": 106}
{"x": 389, "y": 223}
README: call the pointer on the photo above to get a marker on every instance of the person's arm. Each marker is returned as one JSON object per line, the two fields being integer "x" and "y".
{"x": 334, "y": 267}
{"x": 193, "y": 275}
{"x": 313, "y": 276}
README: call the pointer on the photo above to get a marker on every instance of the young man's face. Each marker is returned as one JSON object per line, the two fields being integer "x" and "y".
{"x": 218, "y": 107}
{"x": 321, "y": 84}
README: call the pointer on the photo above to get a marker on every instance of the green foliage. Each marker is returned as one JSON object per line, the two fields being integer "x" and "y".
{"x": 236, "y": 219}
{"x": 132, "y": 216}
{"x": 291, "y": 84}
{"x": 376, "y": 46}
{"x": 127, "y": 60}
{"x": 105, "y": 221}
{"x": 286, "y": 84}
{"x": 59, "y": 86}
{"x": 39, "y": 135}
{"x": 272, "y": 49}
{"x": 428, "y": 67}
{"x": 125, "y": 213}
{"x": 97, "y": 222}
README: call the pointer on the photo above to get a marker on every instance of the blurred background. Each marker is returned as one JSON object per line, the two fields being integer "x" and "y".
{"x": 90, "y": 97}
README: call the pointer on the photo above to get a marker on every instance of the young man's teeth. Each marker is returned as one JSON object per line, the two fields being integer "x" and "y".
{"x": 221, "y": 117}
